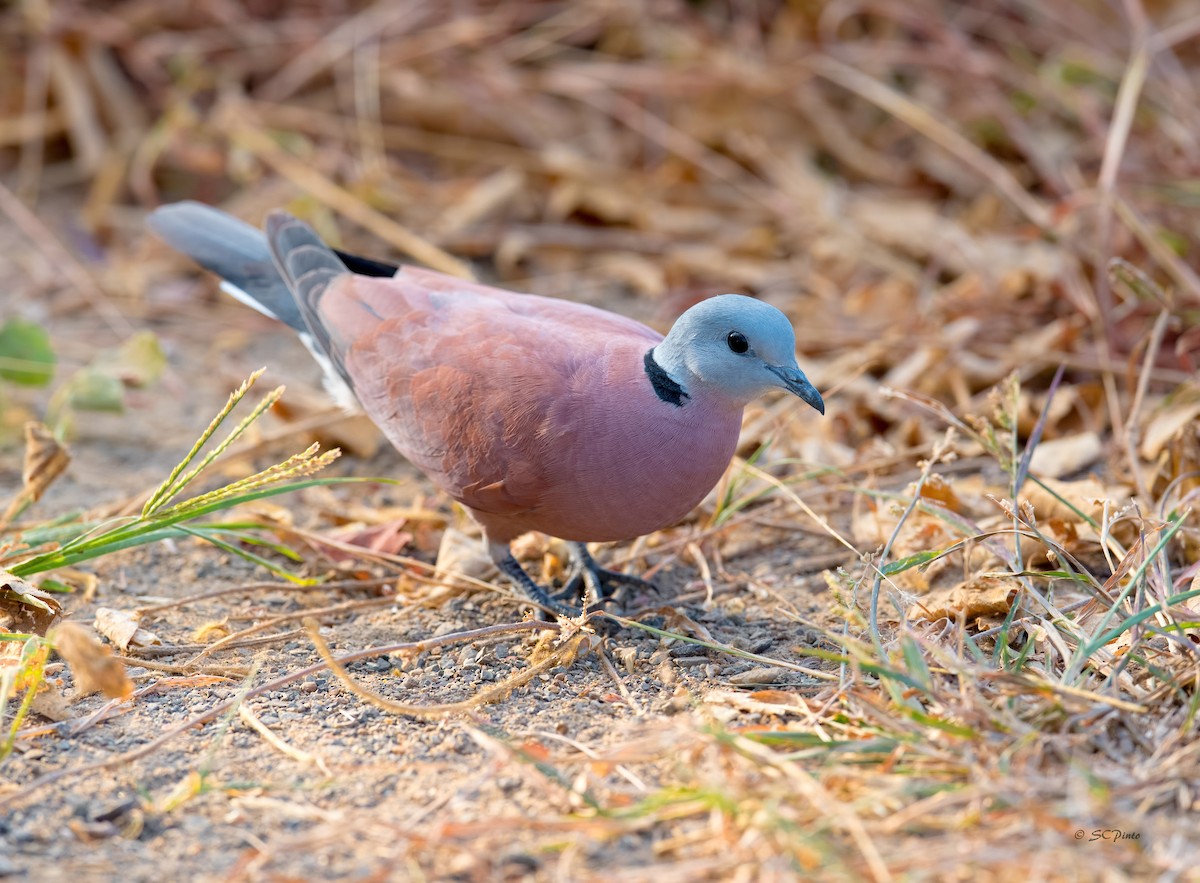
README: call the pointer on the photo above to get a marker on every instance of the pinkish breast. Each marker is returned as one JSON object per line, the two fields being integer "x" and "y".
{"x": 628, "y": 464}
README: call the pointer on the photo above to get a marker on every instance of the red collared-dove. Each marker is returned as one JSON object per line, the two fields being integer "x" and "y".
{"x": 537, "y": 414}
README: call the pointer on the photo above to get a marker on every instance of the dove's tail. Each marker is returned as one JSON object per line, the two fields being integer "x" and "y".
{"x": 232, "y": 249}
{"x": 241, "y": 256}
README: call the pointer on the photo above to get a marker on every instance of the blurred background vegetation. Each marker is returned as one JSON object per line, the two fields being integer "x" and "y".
{"x": 890, "y": 171}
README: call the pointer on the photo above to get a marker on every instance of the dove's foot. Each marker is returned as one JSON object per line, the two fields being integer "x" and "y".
{"x": 589, "y": 582}
{"x": 512, "y": 569}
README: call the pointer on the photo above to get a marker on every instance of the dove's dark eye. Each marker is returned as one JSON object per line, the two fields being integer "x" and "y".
{"x": 737, "y": 342}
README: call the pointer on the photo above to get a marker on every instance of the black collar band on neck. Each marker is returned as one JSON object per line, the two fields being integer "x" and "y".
{"x": 664, "y": 387}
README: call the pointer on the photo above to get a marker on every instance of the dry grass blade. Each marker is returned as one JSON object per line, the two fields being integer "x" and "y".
{"x": 567, "y": 649}
{"x": 252, "y": 720}
{"x": 177, "y": 481}
{"x": 937, "y": 131}
{"x": 409, "y": 243}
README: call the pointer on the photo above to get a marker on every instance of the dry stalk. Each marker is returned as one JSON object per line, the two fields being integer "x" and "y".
{"x": 568, "y": 649}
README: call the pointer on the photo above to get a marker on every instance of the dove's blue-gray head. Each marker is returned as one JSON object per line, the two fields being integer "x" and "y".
{"x": 732, "y": 346}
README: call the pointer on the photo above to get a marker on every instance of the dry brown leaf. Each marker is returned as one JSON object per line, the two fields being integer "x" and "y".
{"x": 122, "y": 629}
{"x": 980, "y": 596}
{"x": 678, "y": 621}
{"x": 1065, "y": 533}
{"x": 758, "y": 702}
{"x": 776, "y": 697}
{"x": 10, "y": 653}
{"x": 459, "y": 553}
{"x": 937, "y": 487}
{"x": 1188, "y": 541}
{"x": 184, "y": 790}
{"x": 1064, "y": 456}
{"x": 1169, "y": 422}
{"x": 388, "y": 539}
{"x": 211, "y": 631}
{"x": 51, "y": 704}
{"x": 875, "y": 522}
{"x": 1086, "y": 494}
{"x": 762, "y": 675}
{"x": 93, "y": 664}
{"x": 87, "y": 583}
{"x": 1181, "y": 465}
{"x": 1071, "y": 409}
{"x": 24, "y": 608}
{"x": 45, "y": 460}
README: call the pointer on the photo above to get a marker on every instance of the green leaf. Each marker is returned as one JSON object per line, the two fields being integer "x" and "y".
{"x": 942, "y": 724}
{"x": 92, "y": 389}
{"x": 914, "y": 662}
{"x": 125, "y": 533}
{"x": 911, "y": 561}
{"x": 26, "y": 598}
{"x": 138, "y": 362}
{"x": 25, "y": 353}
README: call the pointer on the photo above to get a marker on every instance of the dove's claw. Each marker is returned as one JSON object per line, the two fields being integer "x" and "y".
{"x": 595, "y": 584}
{"x": 512, "y": 568}
{"x": 588, "y": 584}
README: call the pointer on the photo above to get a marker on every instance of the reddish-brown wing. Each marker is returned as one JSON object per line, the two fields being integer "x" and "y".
{"x": 461, "y": 377}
